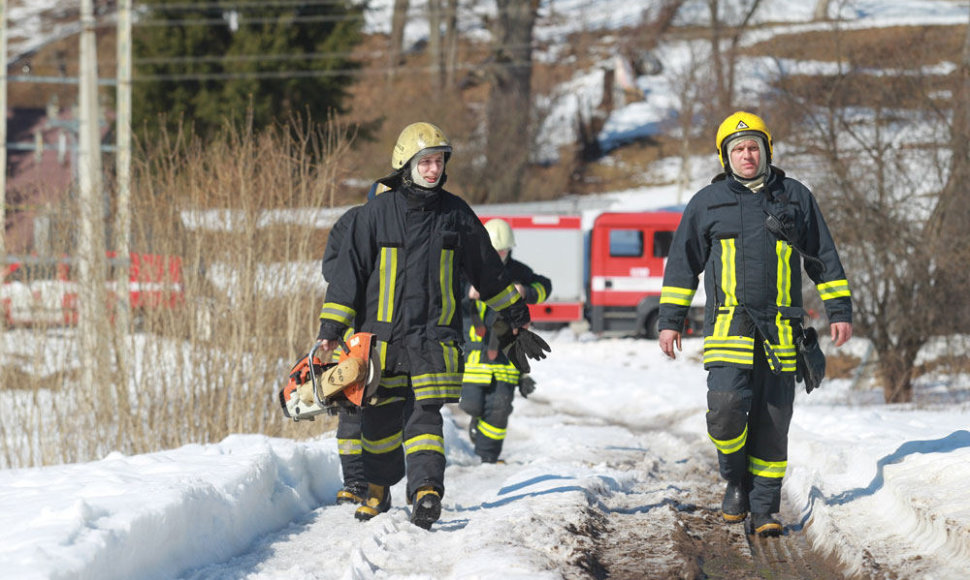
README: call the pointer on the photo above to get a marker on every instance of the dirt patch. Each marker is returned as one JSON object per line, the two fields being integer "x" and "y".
{"x": 908, "y": 47}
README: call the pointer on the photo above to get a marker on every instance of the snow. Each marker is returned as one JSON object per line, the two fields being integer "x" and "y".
{"x": 866, "y": 481}
{"x": 888, "y": 482}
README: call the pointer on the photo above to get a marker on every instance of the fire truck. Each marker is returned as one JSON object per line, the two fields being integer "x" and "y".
{"x": 44, "y": 290}
{"x": 606, "y": 269}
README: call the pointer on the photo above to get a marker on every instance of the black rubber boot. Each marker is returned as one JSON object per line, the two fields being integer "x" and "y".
{"x": 378, "y": 502}
{"x": 354, "y": 492}
{"x": 426, "y": 507}
{"x": 765, "y": 525}
{"x": 734, "y": 506}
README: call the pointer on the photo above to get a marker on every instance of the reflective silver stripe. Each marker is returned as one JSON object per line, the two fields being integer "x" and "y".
{"x": 504, "y": 299}
{"x": 728, "y": 446}
{"x": 426, "y": 442}
{"x": 385, "y": 445}
{"x": 834, "y": 289}
{"x": 445, "y": 280}
{"x": 338, "y": 313}
{"x": 491, "y": 431}
{"x": 775, "y": 469}
{"x": 676, "y": 296}
{"x": 349, "y": 446}
{"x": 729, "y": 280}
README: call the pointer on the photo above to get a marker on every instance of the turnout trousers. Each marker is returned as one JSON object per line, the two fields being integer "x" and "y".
{"x": 402, "y": 437}
{"x": 349, "y": 447}
{"x": 749, "y": 411}
{"x": 489, "y": 406}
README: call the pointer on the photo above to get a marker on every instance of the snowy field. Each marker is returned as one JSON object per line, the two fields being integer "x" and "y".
{"x": 878, "y": 483}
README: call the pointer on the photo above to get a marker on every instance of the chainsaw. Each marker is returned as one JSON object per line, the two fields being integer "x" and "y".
{"x": 315, "y": 387}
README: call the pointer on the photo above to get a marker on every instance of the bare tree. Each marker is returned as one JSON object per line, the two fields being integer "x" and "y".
{"x": 399, "y": 18}
{"x": 435, "y": 49}
{"x": 451, "y": 43}
{"x": 508, "y": 138}
{"x": 893, "y": 189}
{"x": 822, "y": 9}
{"x": 724, "y": 58}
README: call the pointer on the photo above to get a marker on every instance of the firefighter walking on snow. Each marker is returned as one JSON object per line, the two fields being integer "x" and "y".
{"x": 749, "y": 232}
{"x": 490, "y": 378}
{"x": 401, "y": 261}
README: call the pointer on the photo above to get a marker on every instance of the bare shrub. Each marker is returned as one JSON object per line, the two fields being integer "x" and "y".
{"x": 242, "y": 214}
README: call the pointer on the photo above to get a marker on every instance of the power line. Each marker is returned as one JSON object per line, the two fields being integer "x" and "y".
{"x": 243, "y": 21}
{"x": 369, "y": 71}
{"x": 196, "y": 6}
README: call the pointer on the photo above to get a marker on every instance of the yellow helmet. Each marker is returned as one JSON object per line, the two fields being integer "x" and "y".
{"x": 500, "y": 232}
{"x": 741, "y": 124}
{"x": 417, "y": 138}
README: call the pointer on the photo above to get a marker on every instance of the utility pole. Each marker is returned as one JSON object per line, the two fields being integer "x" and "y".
{"x": 91, "y": 247}
{"x": 122, "y": 228}
{"x": 3, "y": 138}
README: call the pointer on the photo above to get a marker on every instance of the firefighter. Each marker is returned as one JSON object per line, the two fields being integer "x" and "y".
{"x": 490, "y": 378}
{"x": 401, "y": 261}
{"x": 348, "y": 420}
{"x": 749, "y": 232}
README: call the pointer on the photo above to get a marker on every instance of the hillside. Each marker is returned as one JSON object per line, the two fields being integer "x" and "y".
{"x": 570, "y": 60}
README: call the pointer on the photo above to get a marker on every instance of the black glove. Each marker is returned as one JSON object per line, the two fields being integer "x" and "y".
{"x": 810, "y": 360}
{"x": 329, "y": 330}
{"x": 525, "y": 345}
{"x": 527, "y": 386}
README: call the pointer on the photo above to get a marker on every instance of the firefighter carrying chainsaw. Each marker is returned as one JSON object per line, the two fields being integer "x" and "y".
{"x": 750, "y": 232}
{"x": 398, "y": 280}
{"x": 490, "y": 377}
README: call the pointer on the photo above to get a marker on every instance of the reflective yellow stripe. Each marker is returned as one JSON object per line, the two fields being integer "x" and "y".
{"x": 491, "y": 431}
{"x": 541, "y": 291}
{"x": 676, "y": 296}
{"x": 729, "y": 281}
{"x": 478, "y": 373}
{"x": 728, "y": 446}
{"x": 388, "y": 282}
{"x": 834, "y": 289}
{"x": 783, "y": 251}
{"x": 349, "y": 446}
{"x": 385, "y": 445}
{"x": 504, "y": 299}
{"x": 722, "y": 322}
{"x": 775, "y": 469}
{"x": 338, "y": 313}
{"x": 394, "y": 381}
{"x": 426, "y": 442}
{"x": 731, "y": 349}
{"x": 445, "y": 280}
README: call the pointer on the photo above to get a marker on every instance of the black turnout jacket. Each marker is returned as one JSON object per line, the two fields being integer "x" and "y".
{"x": 402, "y": 258}
{"x": 752, "y": 275}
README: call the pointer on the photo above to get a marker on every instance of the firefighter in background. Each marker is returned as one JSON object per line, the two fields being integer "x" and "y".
{"x": 749, "y": 232}
{"x": 400, "y": 265}
{"x": 490, "y": 379}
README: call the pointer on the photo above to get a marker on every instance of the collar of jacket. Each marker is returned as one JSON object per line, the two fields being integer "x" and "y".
{"x": 774, "y": 174}
{"x": 420, "y": 198}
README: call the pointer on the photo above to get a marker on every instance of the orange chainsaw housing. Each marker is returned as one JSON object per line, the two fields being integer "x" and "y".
{"x": 359, "y": 345}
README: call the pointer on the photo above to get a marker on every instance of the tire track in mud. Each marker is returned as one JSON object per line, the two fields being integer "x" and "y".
{"x": 669, "y": 524}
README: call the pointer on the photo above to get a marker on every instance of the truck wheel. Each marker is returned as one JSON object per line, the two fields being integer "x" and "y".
{"x": 651, "y": 328}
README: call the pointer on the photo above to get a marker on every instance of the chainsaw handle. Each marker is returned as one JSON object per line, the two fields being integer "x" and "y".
{"x": 313, "y": 375}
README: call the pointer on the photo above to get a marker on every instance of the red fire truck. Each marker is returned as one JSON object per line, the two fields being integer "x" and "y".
{"x": 44, "y": 290}
{"x": 606, "y": 269}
